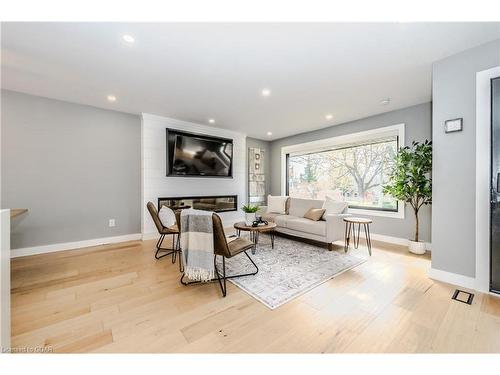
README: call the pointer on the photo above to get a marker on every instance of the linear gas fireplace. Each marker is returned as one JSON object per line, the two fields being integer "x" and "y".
{"x": 216, "y": 203}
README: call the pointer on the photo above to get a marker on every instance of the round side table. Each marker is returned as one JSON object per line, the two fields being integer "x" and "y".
{"x": 350, "y": 227}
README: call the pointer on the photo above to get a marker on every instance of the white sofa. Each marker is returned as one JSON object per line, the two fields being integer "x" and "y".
{"x": 329, "y": 229}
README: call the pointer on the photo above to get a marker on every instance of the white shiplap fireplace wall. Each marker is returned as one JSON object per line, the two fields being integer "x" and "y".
{"x": 155, "y": 184}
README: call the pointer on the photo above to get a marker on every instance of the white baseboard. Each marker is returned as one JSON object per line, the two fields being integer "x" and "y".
{"x": 395, "y": 240}
{"x": 26, "y": 251}
{"x": 452, "y": 278}
{"x": 150, "y": 236}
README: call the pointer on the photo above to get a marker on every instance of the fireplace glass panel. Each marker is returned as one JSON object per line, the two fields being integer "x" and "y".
{"x": 217, "y": 203}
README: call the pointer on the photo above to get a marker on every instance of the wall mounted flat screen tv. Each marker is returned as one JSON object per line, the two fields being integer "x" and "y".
{"x": 195, "y": 155}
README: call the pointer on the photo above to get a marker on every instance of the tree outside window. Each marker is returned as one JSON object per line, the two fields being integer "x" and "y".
{"x": 354, "y": 173}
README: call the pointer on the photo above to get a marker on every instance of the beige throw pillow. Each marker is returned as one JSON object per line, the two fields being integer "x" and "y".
{"x": 314, "y": 214}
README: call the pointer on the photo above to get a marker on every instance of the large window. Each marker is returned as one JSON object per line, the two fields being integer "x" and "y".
{"x": 353, "y": 172}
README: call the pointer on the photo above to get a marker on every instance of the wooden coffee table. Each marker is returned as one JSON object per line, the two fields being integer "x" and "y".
{"x": 255, "y": 231}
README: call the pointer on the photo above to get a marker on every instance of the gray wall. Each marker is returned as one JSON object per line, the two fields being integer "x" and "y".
{"x": 266, "y": 145}
{"x": 73, "y": 166}
{"x": 418, "y": 127}
{"x": 454, "y": 167}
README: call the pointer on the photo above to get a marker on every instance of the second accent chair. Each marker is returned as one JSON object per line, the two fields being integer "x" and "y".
{"x": 165, "y": 231}
{"x": 225, "y": 249}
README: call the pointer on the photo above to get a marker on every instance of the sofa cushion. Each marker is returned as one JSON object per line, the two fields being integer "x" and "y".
{"x": 280, "y": 220}
{"x": 270, "y": 216}
{"x": 314, "y": 214}
{"x": 276, "y": 204}
{"x": 299, "y": 206}
{"x": 333, "y": 207}
{"x": 305, "y": 225}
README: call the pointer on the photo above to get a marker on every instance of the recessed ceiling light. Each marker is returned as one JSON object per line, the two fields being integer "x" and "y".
{"x": 128, "y": 38}
{"x": 266, "y": 92}
{"x": 212, "y": 121}
{"x": 269, "y": 133}
{"x": 328, "y": 116}
{"x": 385, "y": 101}
{"x": 111, "y": 98}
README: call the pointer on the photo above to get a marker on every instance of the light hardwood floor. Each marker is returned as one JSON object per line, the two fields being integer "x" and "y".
{"x": 118, "y": 298}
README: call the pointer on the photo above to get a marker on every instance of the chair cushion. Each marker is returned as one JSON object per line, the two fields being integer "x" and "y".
{"x": 299, "y": 206}
{"x": 314, "y": 214}
{"x": 305, "y": 225}
{"x": 167, "y": 216}
{"x": 333, "y": 207}
{"x": 170, "y": 230}
{"x": 239, "y": 245}
{"x": 276, "y": 204}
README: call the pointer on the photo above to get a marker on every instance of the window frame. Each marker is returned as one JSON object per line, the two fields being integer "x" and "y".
{"x": 327, "y": 143}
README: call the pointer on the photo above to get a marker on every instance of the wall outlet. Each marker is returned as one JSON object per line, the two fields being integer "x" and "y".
{"x": 111, "y": 223}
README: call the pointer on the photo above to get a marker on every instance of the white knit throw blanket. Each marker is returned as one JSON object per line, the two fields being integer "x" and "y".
{"x": 197, "y": 243}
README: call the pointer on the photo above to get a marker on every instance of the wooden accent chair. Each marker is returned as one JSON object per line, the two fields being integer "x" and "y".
{"x": 224, "y": 249}
{"x": 164, "y": 231}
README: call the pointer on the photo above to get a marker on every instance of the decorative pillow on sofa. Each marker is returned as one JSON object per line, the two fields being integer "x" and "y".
{"x": 276, "y": 204}
{"x": 167, "y": 216}
{"x": 314, "y": 214}
{"x": 333, "y": 207}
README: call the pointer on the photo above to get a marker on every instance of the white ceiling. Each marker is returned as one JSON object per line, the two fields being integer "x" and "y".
{"x": 197, "y": 71}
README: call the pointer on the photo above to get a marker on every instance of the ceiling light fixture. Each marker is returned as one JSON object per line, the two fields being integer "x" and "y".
{"x": 212, "y": 121}
{"x": 385, "y": 101}
{"x": 329, "y": 116}
{"x": 269, "y": 133}
{"x": 111, "y": 98}
{"x": 266, "y": 92}
{"x": 128, "y": 38}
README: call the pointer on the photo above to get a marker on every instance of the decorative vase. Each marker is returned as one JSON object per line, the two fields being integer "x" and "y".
{"x": 249, "y": 218}
{"x": 416, "y": 247}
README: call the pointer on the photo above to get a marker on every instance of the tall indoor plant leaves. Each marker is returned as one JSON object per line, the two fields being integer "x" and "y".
{"x": 410, "y": 180}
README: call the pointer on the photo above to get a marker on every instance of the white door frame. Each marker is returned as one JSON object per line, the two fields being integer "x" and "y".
{"x": 4, "y": 280}
{"x": 483, "y": 154}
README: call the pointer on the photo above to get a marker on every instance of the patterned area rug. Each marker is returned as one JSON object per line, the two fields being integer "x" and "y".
{"x": 289, "y": 270}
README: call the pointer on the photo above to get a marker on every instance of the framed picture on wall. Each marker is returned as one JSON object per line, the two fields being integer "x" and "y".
{"x": 256, "y": 177}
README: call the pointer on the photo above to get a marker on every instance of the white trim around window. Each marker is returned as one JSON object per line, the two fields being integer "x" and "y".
{"x": 327, "y": 143}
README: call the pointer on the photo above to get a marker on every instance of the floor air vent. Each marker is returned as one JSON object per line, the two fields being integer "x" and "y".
{"x": 462, "y": 296}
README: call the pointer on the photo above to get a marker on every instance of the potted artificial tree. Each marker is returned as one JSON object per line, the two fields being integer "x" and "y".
{"x": 250, "y": 213}
{"x": 411, "y": 182}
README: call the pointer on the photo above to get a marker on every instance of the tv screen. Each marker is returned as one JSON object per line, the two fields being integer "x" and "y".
{"x": 198, "y": 155}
